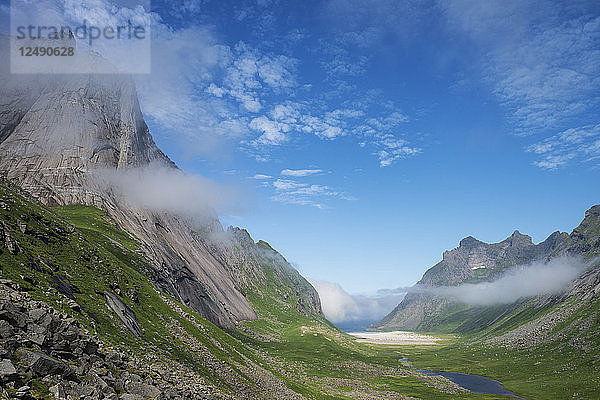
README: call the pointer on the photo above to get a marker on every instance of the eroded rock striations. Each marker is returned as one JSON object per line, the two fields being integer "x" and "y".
{"x": 56, "y": 131}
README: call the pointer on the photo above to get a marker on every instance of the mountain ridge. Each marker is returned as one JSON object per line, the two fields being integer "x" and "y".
{"x": 474, "y": 261}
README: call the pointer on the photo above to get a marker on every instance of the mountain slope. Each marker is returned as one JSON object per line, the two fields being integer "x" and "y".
{"x": 75, "y": 262}
{"x": 541, "y": 347}
{"x": 472, "y": 261}
{"x": 77, "y": 293}
{"x": 57, "y": 131}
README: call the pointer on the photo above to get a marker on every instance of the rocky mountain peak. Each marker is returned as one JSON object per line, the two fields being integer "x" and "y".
{"x": 472, "y": 261}
{"x": 241, "y": 235}
{"x": 469, "y": 241}
{"x": 265, "y": 245}
{"x": 517, "y": 239}
{"x": 593, "y": 213}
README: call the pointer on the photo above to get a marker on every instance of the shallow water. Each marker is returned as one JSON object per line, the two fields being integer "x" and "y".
{"x": 474, "y": 383}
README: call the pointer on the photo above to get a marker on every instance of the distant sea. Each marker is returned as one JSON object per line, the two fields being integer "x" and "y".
{"x": 354, "y": 326}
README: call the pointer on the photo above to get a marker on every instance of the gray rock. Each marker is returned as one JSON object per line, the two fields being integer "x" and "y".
{"x": 10, "y": 346}
{"x": 128, "y": 396}
{"x": 73, "y": 305}
{"x": 37, "y": 334}
{"x": 6, "y": 330}
{"x": 142, "y": 389}
{"x": 13, "y": 315}
{"x": 23, "y": 392}
{"x": 100, "y": 383}
{"x": 7, "y": 370}
{"x": 125, "y": 314}
{"x": 42, "y": 365}
{"x": 37, "y": 314}
{"x": 58, "y": 391}
{"x": 90, "y": 347}
{"x": 87, "y": 391}
{"x": 114, "y": 358}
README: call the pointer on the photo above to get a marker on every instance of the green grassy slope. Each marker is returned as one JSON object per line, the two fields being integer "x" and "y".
{"x": 542, "y": 348}
{"x": 565, "y": 366}
{"x": 85, "y": 254}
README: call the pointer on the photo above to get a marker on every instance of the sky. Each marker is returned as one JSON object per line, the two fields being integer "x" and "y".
{"x": 367, "y": 137}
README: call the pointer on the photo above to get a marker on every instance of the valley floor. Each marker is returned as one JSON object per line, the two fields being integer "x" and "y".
{"x": 532, "y": 373}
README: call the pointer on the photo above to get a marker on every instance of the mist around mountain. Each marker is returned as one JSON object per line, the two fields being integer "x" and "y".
{"x": 477, "y": 278}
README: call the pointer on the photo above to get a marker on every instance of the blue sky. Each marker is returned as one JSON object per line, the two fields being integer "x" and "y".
{"x": 367, "y": 137}
{"x": 409, "y": 124}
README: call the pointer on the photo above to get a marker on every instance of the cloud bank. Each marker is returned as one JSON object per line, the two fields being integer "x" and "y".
{"x": 353, "y": 311}
{"x": 170, "y": 190}
{"x": 524, "y": 281}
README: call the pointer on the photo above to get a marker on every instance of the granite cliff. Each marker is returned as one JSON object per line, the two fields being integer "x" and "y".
{"x": 58, "y": 131}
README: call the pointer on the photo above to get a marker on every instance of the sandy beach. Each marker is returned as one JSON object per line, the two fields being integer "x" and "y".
{"x": 395, "y": 337}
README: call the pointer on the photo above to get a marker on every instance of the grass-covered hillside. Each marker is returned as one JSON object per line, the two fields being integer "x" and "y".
{"x": 545, "y": 347}
{"x": 79, "y": 262}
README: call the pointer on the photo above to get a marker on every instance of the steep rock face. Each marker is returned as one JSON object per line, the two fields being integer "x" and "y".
{"x": 56, "y": 130}
{"x": 471, "y": 262}
{"x": 256, "y": 264}
{"x": 585, "y": 241}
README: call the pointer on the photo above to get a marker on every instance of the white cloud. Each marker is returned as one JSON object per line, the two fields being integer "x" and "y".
{"x": 215, "y": 90}
{"x": 261, "y": 177}
{"x": 300, "y": 172}
{"x": 521, "y": 282}
{"x": 320, "y": 127}
{"x": 170, "y": 190}
{"x": 277, "y": 71}
{"x": 287, "y": 113}
{"x": 343, "y": 308}
{"x": 249, "y": 74}
{"x": 582, "y": 143}
{"x": 175, "y": 98}
{"x": 542, "y": 59}
{"x": 284, "y": 184}
{"x": 289, "y": 191}
{"x": 273, "y": 132}
{"x": 393, "y": 149}
{"x": 379, "y": 131}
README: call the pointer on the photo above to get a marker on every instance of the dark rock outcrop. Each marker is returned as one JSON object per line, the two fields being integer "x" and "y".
{"x": 125, "y": 314}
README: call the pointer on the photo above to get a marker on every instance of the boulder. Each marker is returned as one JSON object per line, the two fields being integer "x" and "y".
{"x": 8, "y": 371}
{"x": 90, "y": 347}
{"x": 142, "y": 389}
{"x": 128, "y": 396}
{"x": 6, "y": 330}
{"x": 125, "y": 314}
{"x": 43, "y": 365}
{"x": 58, "y": 391}
{"x": 13, "y": 315}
